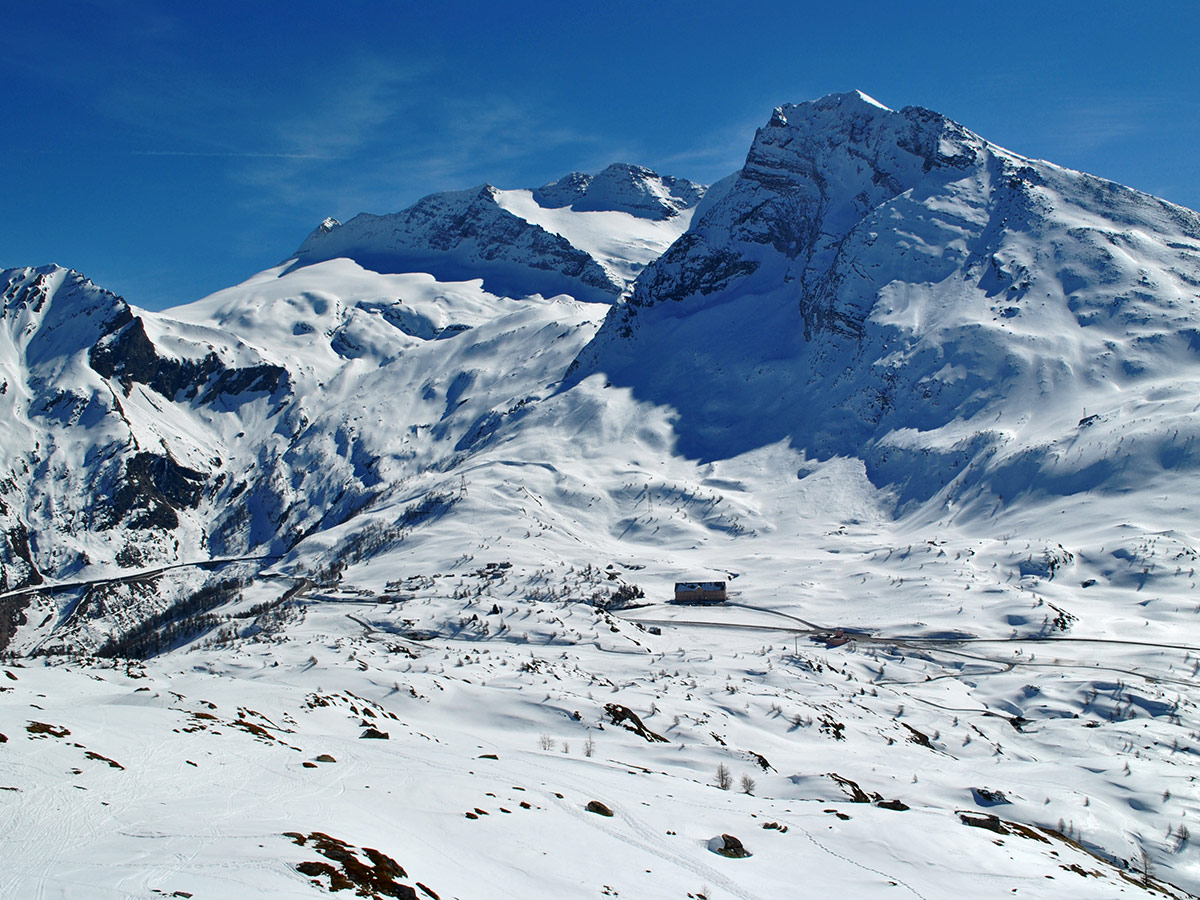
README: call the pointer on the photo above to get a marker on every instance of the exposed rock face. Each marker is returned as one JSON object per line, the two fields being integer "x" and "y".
{"x": 151, "y": 489}
{"x": 129, "y": 356}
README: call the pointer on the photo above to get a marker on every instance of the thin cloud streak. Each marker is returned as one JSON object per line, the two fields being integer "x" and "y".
{"x": 398, "y": 156}
{"x": 230, "y": 154}
{"x": 351, "y": 107}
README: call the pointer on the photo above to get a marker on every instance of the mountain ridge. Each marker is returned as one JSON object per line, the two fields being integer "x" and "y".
{"x": 461, "y": 234}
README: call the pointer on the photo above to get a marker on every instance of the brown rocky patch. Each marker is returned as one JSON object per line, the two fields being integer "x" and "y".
{"x": 347, "y": 871}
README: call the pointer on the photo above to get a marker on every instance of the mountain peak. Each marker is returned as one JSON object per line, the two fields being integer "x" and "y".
{"x": 867, "y": 98}
{"x": 459, "y": 236}
{"x": 32, "y": 288}
{"x": 622, "y": 187}
{"x": 51, "y": 311}
{"x": 811, "y": 176}
{"x": 851, "y": 103}
{"x": 854, "y": 98}
{"x": 328, "y": 224}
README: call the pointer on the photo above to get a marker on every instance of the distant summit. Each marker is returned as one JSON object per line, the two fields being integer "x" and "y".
{"x": 523, "y": 242}
{"x": 622, "y": 188}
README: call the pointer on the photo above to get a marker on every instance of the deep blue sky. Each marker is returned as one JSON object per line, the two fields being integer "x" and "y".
{"x": 169, "y": 149}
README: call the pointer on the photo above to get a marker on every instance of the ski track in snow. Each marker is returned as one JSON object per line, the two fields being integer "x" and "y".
{"x": 865, "y": 868}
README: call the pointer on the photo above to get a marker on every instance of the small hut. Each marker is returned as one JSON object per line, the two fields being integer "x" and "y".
{"x": 694, "y": 592}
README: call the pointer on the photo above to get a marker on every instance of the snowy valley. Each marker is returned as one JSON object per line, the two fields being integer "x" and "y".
{"x": 355, "y": 576}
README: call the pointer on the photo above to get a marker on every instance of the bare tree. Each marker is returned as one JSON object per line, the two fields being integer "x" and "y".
{"x": 1182, "y": 836}
{"x": 724, "y": 777}
{"x": 747, "y": 784}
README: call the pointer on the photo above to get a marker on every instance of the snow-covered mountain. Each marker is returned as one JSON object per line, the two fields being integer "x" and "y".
{"x": 889, "y": 286}
{"x": 926, "y": 405}
{"x": 252, "y": 419}
{"x": 584, "y": 235}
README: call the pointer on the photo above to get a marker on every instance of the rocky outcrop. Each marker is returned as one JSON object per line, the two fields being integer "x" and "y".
{"x": 728, "y": 846}
{"x": 152, "y": 489}
{"x": 623, "y": 715}
{"x": 130, "y": 357}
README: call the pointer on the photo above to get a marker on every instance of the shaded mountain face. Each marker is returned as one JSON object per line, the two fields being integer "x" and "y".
{"x": 886, "y": 284}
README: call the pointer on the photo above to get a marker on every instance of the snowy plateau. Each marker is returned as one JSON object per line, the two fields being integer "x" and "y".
{"x": 355, "y": 577}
